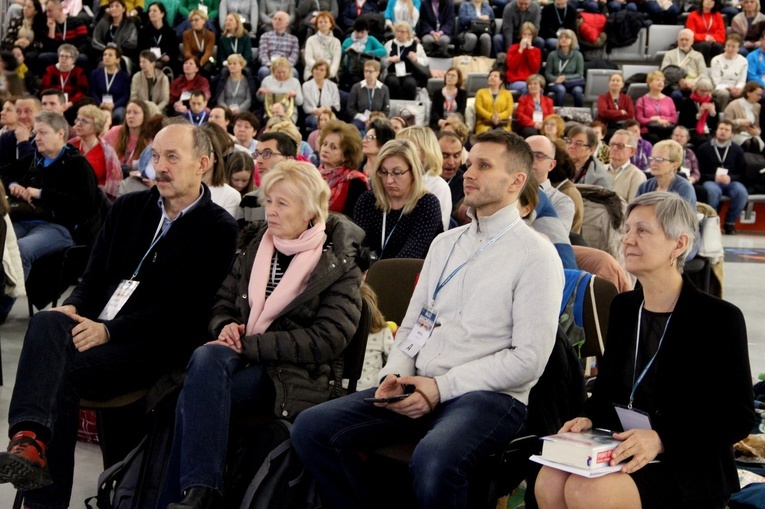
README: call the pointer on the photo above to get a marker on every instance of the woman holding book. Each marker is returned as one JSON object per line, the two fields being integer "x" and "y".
{"x": 656, "y": 344}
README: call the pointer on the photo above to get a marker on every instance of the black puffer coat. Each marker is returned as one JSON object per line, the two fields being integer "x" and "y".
{"x": 302, "y": 348}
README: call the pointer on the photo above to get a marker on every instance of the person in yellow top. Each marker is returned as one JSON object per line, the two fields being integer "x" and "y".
{"x": 493, "y": 105}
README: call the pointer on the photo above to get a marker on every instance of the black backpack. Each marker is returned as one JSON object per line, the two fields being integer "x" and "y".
{"x": 263, "y": 471}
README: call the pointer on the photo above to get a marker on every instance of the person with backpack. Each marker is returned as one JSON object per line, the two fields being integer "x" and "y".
{"x": 282, "y": 319}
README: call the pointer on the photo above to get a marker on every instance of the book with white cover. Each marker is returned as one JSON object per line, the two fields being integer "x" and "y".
{"x": 589, "y": 450}
{"x": 584, "y": 472}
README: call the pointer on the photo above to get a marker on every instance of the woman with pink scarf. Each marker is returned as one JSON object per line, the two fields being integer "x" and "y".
{"x": 282, "y": 319}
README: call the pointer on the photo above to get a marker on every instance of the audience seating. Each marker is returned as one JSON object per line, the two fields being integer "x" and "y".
{"x": 635, "y": 52}
{"x": 393, "y": 280}
{"x": 475, "y": 81}
{"x": 660, "y": 38}
{"x": 597, "y": 83}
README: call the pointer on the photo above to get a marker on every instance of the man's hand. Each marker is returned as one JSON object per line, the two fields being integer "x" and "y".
{"x": 22, "y": 132}
{"x": 87, "y": 333}
{"x": 20, "y": 192}
{"x": 67, "y": 309}
{"x": 576, "y": 425}
{"x": 643, "y": 445}
{"x": 417, "y": 405}
{"x": 722, "y": 179}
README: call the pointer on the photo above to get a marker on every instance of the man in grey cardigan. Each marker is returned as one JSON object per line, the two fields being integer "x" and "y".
{"x": 476, "y": 338}
{"x": 514, "y": 15}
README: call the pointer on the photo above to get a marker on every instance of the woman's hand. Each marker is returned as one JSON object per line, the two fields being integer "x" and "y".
{"x": 22, "y": 42}
{"x": 643, "y": 445}
{"x": 709, "y": 38}
{"x": 412, "y": 57}
{"x": 560, "y": 79}
{"x": 290, "y": 94}
{"x": 231, "y": 335}
{"x": 495, "y": 118}
{"x": 263, "y": 91}
{"x": 394, "y": 59}
{"x": 576, "y": 425}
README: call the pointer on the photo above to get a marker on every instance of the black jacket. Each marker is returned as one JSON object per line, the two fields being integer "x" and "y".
{"x": 178, "y": 279}
{"x": 705, "y": 336}
{"x": 430, "y": 20}
{"x": 734, "y": 161}
{"x": 302, "y": 348}
{"x": 67, "y": 189}
{"x": 437, "y": 106}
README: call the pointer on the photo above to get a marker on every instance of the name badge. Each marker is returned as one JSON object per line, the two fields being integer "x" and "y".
{"x": 185, "y": 95}
{"x": 118, "y": 299}
{"x": 537, "y": 116}
{"x": 422, "y": 330}
{"x": 721, "y": 171}
{"x": 366, "y": 114}
{"x": 203, "y": 8}
{"x": 157, "y": 52}
{"x": 400, "y": 69}
{"x": 631, "y": 418}
{"x": 107, "y": 99}
{"x": 66, "y": 97}
{"x": 685, "y": 171}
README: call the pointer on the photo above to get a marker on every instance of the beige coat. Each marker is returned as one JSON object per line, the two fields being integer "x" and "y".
{"x": 139, "y": 89}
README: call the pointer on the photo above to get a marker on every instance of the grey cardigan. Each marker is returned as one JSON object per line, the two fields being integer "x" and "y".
{"x": 358, "y": 102}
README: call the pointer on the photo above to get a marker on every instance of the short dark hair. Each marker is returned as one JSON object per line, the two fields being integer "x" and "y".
{"x": 726, "y": 122}
{"x": 284, "y": 143}
{"x": 197, "y": 93}
{"x": 226, "y": 112}
{"x": 564, "y": 167}
{"x": 361, "y": 25}
{"x": 111, "y": 45}
{"x": 148, "y": 55}
{"x": 53, "y": 91}
{"x": 383, "y": 131}
{"x": 247, "y": 117}
{"x": 519, "y": 152}
{"x": 630, "y": 123}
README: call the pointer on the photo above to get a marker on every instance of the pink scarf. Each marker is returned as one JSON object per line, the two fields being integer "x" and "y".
{"x": 307, "y": 249}
{"x": 702, "y": 121}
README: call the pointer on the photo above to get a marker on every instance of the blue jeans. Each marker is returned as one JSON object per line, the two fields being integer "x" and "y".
{"x": 560, "y": 89}
{"x": 218, "y": 381}
{"x": 660, "y": 16}
{"x": 520, "y": 86}
{"x": 52, "y": 376}
{"x": 615, "y": 6}
{"x": 456, "y": 437}
{"x": 738, "y": 197}
{"x": 38, "y": 238}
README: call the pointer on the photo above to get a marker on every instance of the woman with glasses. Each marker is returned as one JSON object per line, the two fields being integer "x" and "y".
{"x": 379, "y": 132}
{"x": 666, "y": 159}
{"x": 699, "y": 112}
{"x": 89, "y": 127}
{"x": 655, "y": 111}
{"x": 66, "y": 76}
{"x": 406, "y": 62}
{"x": 580, "y": 145}
{"x": 399, "y": 217}
{"x": 565, "y": 70}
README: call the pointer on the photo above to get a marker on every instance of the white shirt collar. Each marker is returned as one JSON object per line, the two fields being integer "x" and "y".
{"x": 378, "y": 84}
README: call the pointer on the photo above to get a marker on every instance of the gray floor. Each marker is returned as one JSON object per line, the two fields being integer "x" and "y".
{"x": 744, "y": 283}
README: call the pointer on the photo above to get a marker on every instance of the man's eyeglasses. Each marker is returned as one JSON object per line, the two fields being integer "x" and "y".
{"x": 395, "y": 174}
{"x": 577, "y": 144}
{"x": 620, "y": 146}
{"x": 266, "y": 154}
{"x": 541, "y": 156}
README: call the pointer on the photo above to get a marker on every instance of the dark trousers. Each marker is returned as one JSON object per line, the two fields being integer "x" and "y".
{"x": 403, "y": 88}
{"x": 52, "y": 377}
{"x": 456, "y": 437}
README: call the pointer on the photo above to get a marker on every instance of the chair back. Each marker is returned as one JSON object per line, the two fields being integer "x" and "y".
{"x": 353, "y": 356}
{"x": 393, "y": 281}
{"x": 597, "y": 303}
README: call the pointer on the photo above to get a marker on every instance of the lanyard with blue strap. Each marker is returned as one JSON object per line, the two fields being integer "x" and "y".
{"x": 636, "y": 383}
{"x": 443, "y": 282}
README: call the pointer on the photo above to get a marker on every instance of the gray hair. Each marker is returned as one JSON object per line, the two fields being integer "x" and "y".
{"x": 68, "y": 48}
{"x": 592, "y": 138}
{"x": 304, "y": 182}
{"x": 202, "y": 144}
{"x": 675, "y": 216}
{"x": 625, "y": 132}
{"x": 703, "y": 83}
{"x": 56, "y": 121}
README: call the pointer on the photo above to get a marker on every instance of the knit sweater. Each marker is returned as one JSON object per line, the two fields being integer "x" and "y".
{"x": 626, "y": 180}
{"x": 496, "y": 327}
{"x": 320, "y": 47}
{"x": 731, "y": 73}
{"x": 692, "y": 62}
{"x": 406, "y": 235}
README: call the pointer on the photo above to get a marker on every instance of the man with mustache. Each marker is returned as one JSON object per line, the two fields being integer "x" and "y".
{"x": 138, "y": 313}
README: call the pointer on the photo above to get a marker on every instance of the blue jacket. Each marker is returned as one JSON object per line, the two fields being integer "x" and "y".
{"x": 756, "y": 71}
{"x": 119, "y": 90}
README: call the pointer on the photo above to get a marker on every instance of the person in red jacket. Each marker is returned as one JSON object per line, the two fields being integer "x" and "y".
{"x": 66, "y": 76}
{"x": 181, "y": 87}
{"x": 708, "y": 27}
{"x": 615, "y": 106}
{"x": 523, "y": 59}
{"x": 533, "y": 107}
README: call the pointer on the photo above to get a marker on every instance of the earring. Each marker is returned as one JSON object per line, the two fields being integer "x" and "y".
{"x": 672, "y": 261}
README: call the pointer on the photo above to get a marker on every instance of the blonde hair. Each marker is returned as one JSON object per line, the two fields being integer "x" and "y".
{"x": 304, "y": 181}
{"x": 655, "y": 75}
{"x": 369, "y": 296}
{"x": 239, "y": 30}
{"x": 572, "y": 35}
{"x": 406, "y": 150}
{"x": 199, "y": 12}
{"x": 425, "y": 140}
{"x": 280, "y": 62}
{"x": 288, "y": 128}
{"x": 236, "y": 56}
{"x": 674, "y": 149}
{"x": 528, "y": 25}
{"x": 406, "y": 25}
{"x": 97, "y": 115}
